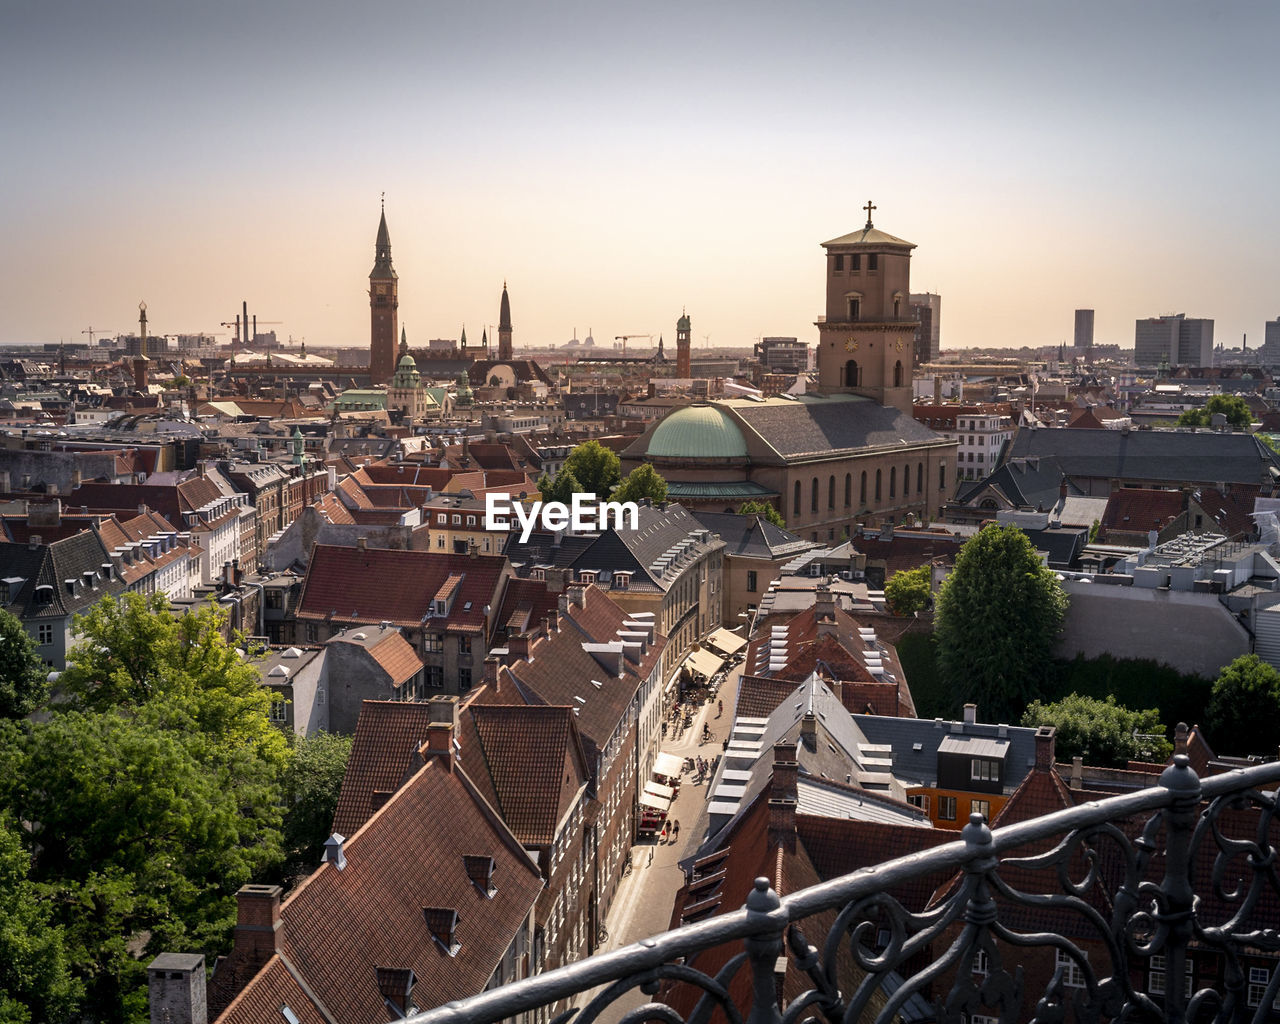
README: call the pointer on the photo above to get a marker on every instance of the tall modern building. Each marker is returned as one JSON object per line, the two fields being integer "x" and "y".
{"x": 383, "y": 303}
{"x": 927, "y": 309}
{"x": 1173, "y": 340}
{"x": 1271, "y": 338}
{"x": 1084, "y": 330}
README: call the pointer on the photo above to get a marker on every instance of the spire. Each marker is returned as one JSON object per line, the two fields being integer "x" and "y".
{"x": 464, "y": 335}
{"x": 404, "y": 343}
{"x": 382, "y": 250}
{"x": 504, "y": 313}
{"x": 484, "y": 337}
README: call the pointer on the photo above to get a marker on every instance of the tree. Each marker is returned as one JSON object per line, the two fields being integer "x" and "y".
{"x": 311, "y": 786}
{"x": 142, "y": 833}
{"x": 35, "y": 978}
{"x": 24, "y": 680}
{"x": 909, "y": 590}
{"x": 642, "y": 482}
{"x": 1105, "y": 734}
{"x": 596, "y": 469}
{"x": 1244, "y": 707}
{"x": 1235, "y": 408}
{"x": 765, "y": 511}
{"x": 996, "y": 618}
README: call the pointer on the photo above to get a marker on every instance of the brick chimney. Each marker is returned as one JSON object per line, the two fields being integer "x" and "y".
{"x": 518, "y": 646}
{"x": 809, "y": 730}
{"x": 442, "y": 728}
{"x": 782, "y": 797}
{"x": 257, "y": 933}
{"x": 176, "y": 989}
{"x": 1044, "y": 748}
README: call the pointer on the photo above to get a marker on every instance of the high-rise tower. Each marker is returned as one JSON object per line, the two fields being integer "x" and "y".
{"x": 383, "y": 303}
{"x": 865, "y": 342}
{"x": 504, "y": 325}
{"x": 683, "y": 369}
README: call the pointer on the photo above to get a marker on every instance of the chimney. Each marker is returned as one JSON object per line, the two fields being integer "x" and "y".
{"x": 1077, "y": 772}
{"x": 491, "y": 673}
{"x": 1044, "y": 748}
{"x": 1180, "y": 736}
{"x": 578, "y": 595}
{"x": 335, "y": 851}
{"x": 971, "y": 714}
{"x": 442, "y": 729}
{"x": 782, "y": 797}
{"x": 809, "y": 730}
{"x": 362, "y": 543}
{"x": 824, "y": 611}
{"x": 176, "y": 989}
{"x": 553, "y": 620}
{"x": 257, "y": 933}
{"x": 518, "y": 646}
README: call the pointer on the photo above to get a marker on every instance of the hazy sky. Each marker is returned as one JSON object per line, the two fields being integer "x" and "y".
{"x": 615, "y": 163}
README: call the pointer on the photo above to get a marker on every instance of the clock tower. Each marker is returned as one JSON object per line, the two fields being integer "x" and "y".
{"x": 383, "y": 304}
{"x": 866, "y": 339}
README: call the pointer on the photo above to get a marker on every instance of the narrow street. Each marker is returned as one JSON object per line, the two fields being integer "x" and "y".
{"x": 644, "y": 900}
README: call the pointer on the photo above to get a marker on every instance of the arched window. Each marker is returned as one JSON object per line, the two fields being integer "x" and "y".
{"x": 893, "y": 481}
{"x": 862, "y": 492}
{"x": 897, "y": 374}
{"x": 848, "y": 490}
{"x": 795, "y": 504}
{"x": 919, "y": 478}
{"x": 877, "y": 485}
{"x": 906, "y": 481}
{"x": 852, "y": 375}
{"x": 813, "y": 496}
{"x": 831, "y": 491}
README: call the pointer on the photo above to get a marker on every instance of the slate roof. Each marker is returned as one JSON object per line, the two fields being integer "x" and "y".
{"x": 920, "y": 767}
{"x": 1172, "y": 456}
{"x": 752, "y": 536}
{"x": 51, "y": 565}
{"x": 1036, "y": 484}
{"x": 347, "y": 585}
{"x": 828, "y": 425}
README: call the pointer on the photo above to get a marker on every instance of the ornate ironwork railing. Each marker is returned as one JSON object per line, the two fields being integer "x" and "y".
{"x": 1185, "y": 868}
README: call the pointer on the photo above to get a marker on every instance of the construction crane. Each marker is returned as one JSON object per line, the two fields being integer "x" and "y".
{"x": 624, "y": 338}
{"x": 91, "y": 332}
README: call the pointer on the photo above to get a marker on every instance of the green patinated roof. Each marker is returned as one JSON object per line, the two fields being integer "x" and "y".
{"x": 697, "y": 432}
{"x": 728, "y": 490}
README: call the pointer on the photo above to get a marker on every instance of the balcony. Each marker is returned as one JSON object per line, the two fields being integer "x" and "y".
{"x": 1076, "y": 915}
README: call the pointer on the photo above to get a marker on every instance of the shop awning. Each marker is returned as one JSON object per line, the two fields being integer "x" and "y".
{"x": 659, "y": 790}
{"x": 655, "y": 802}
{"x": 704, "y": 663}
{"x": 668, "y": 765}
{"x": 726, "y": 641}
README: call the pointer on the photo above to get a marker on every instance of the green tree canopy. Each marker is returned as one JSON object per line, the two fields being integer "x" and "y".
{"x": 590, "y": 468}
{"x": 996, "y": 619}
{"x": 311, "y": 786}
{"x": 909, "y": 590}
{"x": 1105, "y": 734}
{"x": 1244, "y": 707}
{"x": 35, "y": 979}
{"x": 642, "y": 482}
{"x": 24, "y": 680}
{"x": 1235, "y": 408}
{"x": 765, "y": 511}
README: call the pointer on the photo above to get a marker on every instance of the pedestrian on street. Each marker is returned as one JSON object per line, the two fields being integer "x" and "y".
{"x": 719, "y": 708}
{"x": 726, "y": 745}
{"x": 675, "y": 831}
{"x": 664, "y": 729}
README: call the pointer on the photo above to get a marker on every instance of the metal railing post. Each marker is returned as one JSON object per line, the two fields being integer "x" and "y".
{"x": 763, "y": 951}
{"x": 1178, "y": 906}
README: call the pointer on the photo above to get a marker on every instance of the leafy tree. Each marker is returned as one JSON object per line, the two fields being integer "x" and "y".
{"x": 143, "y": 832}
{"x": 909, "y": 591}
{"x": 1105, "y": 734}
{"x": 562, "y": 488}
{"x": 35, "y": 978}
{"x": 765, "y": 511}
{"x": 997, "y": 616}
{"x": 1235, "y": 408}
{"x": 596, "y": 470}
{"x": 311, "y": 786}
{"x": 24, "y": 681}
{"x": 1244, "y": 707}
{"x": 133, "y": 650}
{"x": 642, "y": 482}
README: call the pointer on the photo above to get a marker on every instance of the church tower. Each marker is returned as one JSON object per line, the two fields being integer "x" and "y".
{"x": 866, "y": 339}
{"x": 382, "y": 309}
{"x": 683, "y": 326}
{"x": 504, "y": 326}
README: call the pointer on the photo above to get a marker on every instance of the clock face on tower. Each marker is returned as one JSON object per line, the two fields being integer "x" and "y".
{"x": 851, "y": 345}
{"x": 898, "y": 344}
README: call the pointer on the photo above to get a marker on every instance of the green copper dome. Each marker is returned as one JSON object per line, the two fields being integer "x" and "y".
{"x": 697, "y": 432}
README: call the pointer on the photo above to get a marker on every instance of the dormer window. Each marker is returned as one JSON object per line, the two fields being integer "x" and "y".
{"x": 44, "y": 594}
{"x": 586, "y": 576}
{"x": 621, "y": 580}
{"x": 480, "y": 870}
{"x": 443, "y": 924}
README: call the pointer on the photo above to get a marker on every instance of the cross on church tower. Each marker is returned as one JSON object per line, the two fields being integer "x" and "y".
{"x": 869, "y": 207}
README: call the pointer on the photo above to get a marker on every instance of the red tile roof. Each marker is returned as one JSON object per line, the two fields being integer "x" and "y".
{"x": 383, "y": 752}
{"x": 1137, "y": 510}
{"x": 348, "y": 585}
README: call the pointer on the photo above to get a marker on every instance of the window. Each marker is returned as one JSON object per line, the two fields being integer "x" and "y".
{"x": 813, "y": 496}
{"x": 471, "y": 520}
{"x": 312, "y": 633}
{"x": 893, "y": 482}
{"x": 44, "y": 634}
{"x": 1072, "y": 975}
{"x": 439, "y": 540}
{"x": 920, "y": 800}
{"x": 942, "y": 476}
{"x": 320, "y": 696}
{"x": 877, "y": 485}
{"x": 906, "y": 481}
{"x": 442, "y": 519}
{"x": 855, "y": 261}
{"x": 897, "y": 374}
{"x": 435, "y": 676}
{"x": 433, "y": 643}
{"x": 1259, "y": 978}
{"x": 981, "y": 962}
{"x": 839, "y": 261}
{"x": 982, "y": 770}
{"x": 275, "y": 599}
{"x": 982, "y": 807}
{"x": 464, "y": 645}
{"x": 278, "y": 711}
{"x": 848, "y": 490}
{"x": 862, "y": 499}
{"x": 855, "y": 306}
{"x": 751, "y": 581}
{"x": 947, "y": 808}
{"x": 795, "y": 503}
{"x": 464, "y": 679}
{"x": 831, "y": 491}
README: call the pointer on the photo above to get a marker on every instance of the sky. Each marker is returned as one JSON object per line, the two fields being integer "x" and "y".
{"x": 617, "y": 163}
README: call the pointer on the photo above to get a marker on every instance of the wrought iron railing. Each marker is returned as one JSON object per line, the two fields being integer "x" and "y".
{"x": 1185, "y": 868}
